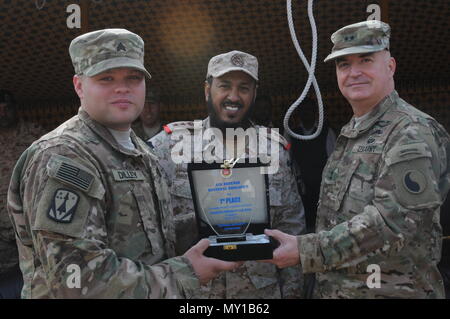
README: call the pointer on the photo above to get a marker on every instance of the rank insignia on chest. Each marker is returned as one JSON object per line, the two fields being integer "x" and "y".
{"x": 63, "y": 206}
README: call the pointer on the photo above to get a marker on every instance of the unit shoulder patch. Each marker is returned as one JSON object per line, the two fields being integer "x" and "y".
{"x": 63, "y": 205}
{"x": 414, "y": 181}
{"x": 414, "y": 184}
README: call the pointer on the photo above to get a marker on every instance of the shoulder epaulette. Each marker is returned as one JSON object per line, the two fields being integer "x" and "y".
{"x": 169, "y": 128}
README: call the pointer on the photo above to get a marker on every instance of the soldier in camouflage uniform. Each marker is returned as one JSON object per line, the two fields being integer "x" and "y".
{"x": 149, "y": 122}
{"x": 15, "y": 136}
{"x": 87, "y": 200}
{"x": 382, "y": 187}
{"x": 230, "y": 91}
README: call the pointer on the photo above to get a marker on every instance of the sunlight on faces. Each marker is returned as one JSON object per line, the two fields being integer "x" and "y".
{"x": 365, "y": 79}
{"x": 114, "y": 98}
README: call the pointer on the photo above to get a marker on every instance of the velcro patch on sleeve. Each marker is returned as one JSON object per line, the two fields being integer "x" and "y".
{"x": 70, "y": 194}
{"x": 63, "y": 205}
{"x": 127, "y": 175}
{"x": 74, "y": 174}
{"x": 415, "y": 184}
{"x": 406, "y": 153}
{"x": 62, "y": 209}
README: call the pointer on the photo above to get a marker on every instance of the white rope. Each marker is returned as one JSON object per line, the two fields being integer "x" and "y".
{"x": 40, "y": 4}
{"x": 309, "y": 68}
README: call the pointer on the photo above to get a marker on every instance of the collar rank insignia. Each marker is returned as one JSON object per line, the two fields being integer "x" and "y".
{"x": 63, "y": 206}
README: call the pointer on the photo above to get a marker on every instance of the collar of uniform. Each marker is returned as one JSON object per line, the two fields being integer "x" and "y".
{"x": 138, "y": 128}
{"x": 104, "y": 134}
{"x": 349, "y": 131}
{"x": 206, "y": 123}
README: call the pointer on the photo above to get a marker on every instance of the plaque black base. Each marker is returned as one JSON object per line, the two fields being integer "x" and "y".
{"x": 254, "y": 247}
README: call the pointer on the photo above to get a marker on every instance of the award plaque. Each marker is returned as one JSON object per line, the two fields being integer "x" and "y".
{"x": 231, "y": 202}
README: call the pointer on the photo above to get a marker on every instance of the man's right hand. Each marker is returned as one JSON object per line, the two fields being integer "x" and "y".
{"x": 207, "y": 268}
{"x": 286, "y": 254}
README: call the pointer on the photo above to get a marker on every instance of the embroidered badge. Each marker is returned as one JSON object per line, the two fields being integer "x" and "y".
{"x": 127, "y": 175}
{"x": 365, "y": 149}
{"x": 349, "y": 37}
{"x": 74, "y": 176}
{"x": 63, "y": 206}
{"x": 414, "y": 181}
{"x": 237, "y": 60}
{"x": 121, "y": 47}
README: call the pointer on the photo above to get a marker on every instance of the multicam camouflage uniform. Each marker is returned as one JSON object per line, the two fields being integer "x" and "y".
{"x": 79, "y": 199}
{"x": 379, "y": 204}
{"x": 13, "y": 142}
{"x": 253, "y": 279}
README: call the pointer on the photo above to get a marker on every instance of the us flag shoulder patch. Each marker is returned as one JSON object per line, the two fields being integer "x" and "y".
{"x": 74, "y": 176}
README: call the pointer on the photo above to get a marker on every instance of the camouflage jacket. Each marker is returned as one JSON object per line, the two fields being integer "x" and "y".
{"x": 13, "y": 142}
{"x": 89, "y": 221}
{"x": 253, "y": 279}
{"x": 379, "y": 205}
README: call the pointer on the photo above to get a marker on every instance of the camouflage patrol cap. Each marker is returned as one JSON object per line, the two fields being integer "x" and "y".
{"x": 233, "y": 61}
{"x": 361, "y": 37}
{"x": 98, "y": 51}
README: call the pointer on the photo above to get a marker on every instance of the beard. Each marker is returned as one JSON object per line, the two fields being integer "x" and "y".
{"x": 223, "y": 125}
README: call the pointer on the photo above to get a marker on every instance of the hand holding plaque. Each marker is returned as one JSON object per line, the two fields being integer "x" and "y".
{"x": 232, "y": 208}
